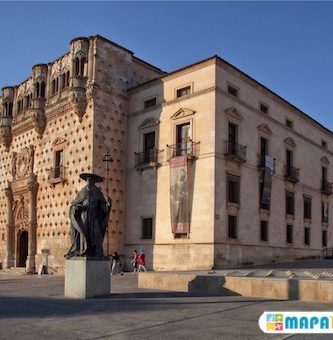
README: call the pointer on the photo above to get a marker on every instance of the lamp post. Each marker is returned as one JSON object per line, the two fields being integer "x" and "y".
{"x": 107, "y": 159}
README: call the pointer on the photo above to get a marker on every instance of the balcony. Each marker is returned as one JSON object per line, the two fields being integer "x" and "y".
{"x": 235, "y": 151}
{"x": 56, "y": 175}
{"x": 149, "y": 158}
{"x": 266, "y": 161}
{"x": 326, "y": 188}
{"x": 291, "y": 174}
{"x": 189, "y": 149}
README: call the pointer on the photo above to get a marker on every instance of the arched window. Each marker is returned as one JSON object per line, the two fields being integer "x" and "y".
{"x": 42, "y": 90}
{"x": 37, "y": 92}
{"x": 8, "y": 109}
{"x": 67, "y": 79}
{"x": 63, "y": 81}
{"x": 77, "y": 66}
{"x": 82, "y": 62}
{"x": 53, "y": 86}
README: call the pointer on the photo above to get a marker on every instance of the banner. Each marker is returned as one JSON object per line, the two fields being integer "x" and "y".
{"x": 267, "y": 189}
{"x": 179, "y": 195}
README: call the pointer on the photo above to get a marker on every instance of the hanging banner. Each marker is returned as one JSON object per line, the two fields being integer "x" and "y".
{"x": 266, "y": 192}
{"x": 179, "y": 195}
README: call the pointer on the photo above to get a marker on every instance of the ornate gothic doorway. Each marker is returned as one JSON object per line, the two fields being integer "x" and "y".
{"x": 22, "y": 248}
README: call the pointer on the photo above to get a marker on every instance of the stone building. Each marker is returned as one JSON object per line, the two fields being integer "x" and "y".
{"x": 209, "y": 167}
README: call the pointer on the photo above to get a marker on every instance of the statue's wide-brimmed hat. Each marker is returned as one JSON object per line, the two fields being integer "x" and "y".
{"x": 93, "y": 177}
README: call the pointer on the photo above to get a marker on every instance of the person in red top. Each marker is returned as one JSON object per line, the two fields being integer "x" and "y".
{"x": 142, "y": 261}
{"x": 135, "y": 260}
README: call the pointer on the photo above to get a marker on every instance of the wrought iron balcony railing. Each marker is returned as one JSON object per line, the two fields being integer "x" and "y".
{"x": 148, "y": 158}
{"x": 326, "y": 187}
{"x": 189, "y": 149}
{"x": 56, "y": 174}
{"x": 291, "y": 173}
{"x": 235, "y": 151}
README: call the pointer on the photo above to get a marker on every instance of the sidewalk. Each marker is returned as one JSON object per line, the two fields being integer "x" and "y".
{"x": 33, "y": 307}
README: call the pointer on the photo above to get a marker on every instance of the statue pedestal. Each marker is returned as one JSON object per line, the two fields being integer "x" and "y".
{"x": 87, "y": 277}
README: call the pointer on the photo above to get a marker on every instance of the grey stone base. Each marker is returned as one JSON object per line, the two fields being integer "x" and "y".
{"x": 87, "y": 277}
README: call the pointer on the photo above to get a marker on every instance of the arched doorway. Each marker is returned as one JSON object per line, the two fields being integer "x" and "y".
{"x": 22, "y": 248}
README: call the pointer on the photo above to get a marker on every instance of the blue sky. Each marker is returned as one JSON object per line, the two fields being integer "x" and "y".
{"x": 287, "y": 46}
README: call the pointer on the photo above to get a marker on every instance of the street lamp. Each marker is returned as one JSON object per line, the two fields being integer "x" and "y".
{"x": 107, "y": 159}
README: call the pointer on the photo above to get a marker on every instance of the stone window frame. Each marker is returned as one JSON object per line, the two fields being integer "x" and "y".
{"x": 59, "y": 144}
{"x": 178, "y": 88}
{"x": 145, "y": 217}
{"x": 263, "y": 104}
{"x": 232, "y": 87}
{"x": 267, "y": 231}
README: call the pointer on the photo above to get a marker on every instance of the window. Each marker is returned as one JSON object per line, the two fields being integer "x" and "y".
{"x": 289, "y": 157}
{"x": 232, "y": 226}
{"x": 147, "y": 228}
{"x": 324, "y": 174}
{"x": 263, "y": 147}
{"x": 324, "y": 144}
{"x": 79, "y": 66}
{"x": 233, "y": 91}
{"x": 263, "y": 108}
{"x": 183, "y": 140}
{"x": 148, "y": 147}
{"x": 307, "y": 236}
{"x": 58, "y": 162}
{"x": 324, "y": 238}
{"x": 307, "y": 208}
{"x": 8, "y": 109}
{"x": 232, "y": 133}
{"x": 289, "y": 233}
{"x": 324, "y": 212}
{"x": 185, "y": 91}
{"x": 149, "y": 103}
{"x": 53, "y": 91}
{"x": 233, "y": 188}
{"x": 289, "y": 123}
{"x": 290, "y": 203}
{"x": 264, "y": 230}
{"x": 63, "y": 81}
{"x": 67, "y": 79}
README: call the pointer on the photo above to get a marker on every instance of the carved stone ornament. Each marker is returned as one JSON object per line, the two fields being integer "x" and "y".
{"x": 325, "y": 160}
{"x": 182, "y": 113}
{"x": 149, "y": 122}
{"x": 23, "y": 163}
{"x": 289, "y": 141}
{"x": 39, "y": 120}
{"x": 21, "y": 214}
{"x": 233, "y": 113}
{"x": 78, "y": 102}
{"x": 265, "y": 129}
{"x": 6, "y": 136}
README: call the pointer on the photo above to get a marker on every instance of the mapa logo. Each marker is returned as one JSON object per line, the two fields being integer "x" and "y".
{"x": 296, "y": 322}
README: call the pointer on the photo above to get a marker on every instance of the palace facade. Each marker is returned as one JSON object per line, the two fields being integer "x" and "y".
{"x": 207, "y": 168}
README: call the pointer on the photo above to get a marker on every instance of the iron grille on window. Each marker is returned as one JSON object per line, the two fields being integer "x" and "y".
{"x": 291, "y": 173}
{"x": 289, "y": 233}
{"x": 147, "y": 228}
{"x": 326, "y": 187}
{"x": 233, "y": 188}
{"x": 232, "y": 226}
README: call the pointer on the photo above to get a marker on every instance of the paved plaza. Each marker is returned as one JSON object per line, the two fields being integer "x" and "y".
{"x": 33, "y": 307}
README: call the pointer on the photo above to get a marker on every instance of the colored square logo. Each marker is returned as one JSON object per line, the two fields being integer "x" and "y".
{"x": 270, "y": 318}
{"x": 270, "y": 326}
{"x": 279, "y": 317}
{"x": 278, "y": 326}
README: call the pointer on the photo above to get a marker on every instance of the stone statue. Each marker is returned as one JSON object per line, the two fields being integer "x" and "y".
{"x": 89, "y": 215}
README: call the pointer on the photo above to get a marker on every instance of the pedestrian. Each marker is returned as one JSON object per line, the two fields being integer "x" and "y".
{"x": 142, "y": 261}
{"x": 116, "y": 266}
{"x": 135, "y": 260}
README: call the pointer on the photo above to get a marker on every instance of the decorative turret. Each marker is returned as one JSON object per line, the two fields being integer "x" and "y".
{"x": 6, "y": 116}
{"x": 39, "y": 75}
{"x": 79, "y": 50}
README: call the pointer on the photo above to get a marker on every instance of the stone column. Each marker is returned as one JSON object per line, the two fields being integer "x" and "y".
{"x": 32, "y": 242}
{"x": 10, "y": 227}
